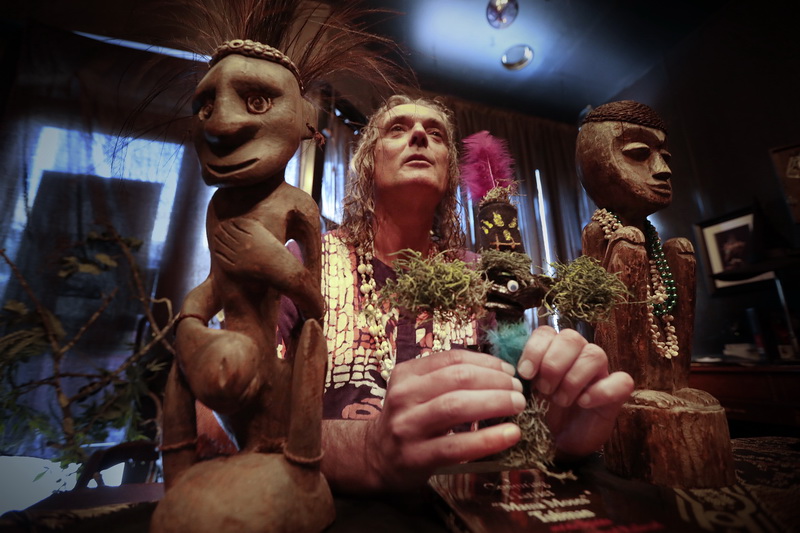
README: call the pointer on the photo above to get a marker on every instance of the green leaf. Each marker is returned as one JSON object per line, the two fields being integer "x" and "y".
{"x": 39, "y": 475}
{"x": 55, "y": 323}
{"x": 133, "y": 243}
{"x": 15, "y": 306}
{"x": 34, "y": 343}
{"x": 89, "y": 268}
{"x": 106, "y": 260}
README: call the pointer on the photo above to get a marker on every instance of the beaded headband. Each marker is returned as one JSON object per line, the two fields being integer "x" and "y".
{"x": 256, "y": 50}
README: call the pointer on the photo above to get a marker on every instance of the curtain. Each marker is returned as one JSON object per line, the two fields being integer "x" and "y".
{"x": 338, "y": 150}
{"x": 92, "y": 134}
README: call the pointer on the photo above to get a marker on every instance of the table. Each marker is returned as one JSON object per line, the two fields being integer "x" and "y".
{"x": 476, "y": 496}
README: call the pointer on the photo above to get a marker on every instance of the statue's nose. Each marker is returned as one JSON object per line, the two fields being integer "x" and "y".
{"x": 660, "y": 168}
{"x": 228, "y": 124}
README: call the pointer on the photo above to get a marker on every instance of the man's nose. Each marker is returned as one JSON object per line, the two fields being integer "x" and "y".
{"x": 229, "y": 125}
{"x": 419, "y": 137}
{"x": 660, "y": 168}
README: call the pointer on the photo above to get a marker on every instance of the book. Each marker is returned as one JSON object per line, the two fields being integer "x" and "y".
{"x": 485, "y": 498}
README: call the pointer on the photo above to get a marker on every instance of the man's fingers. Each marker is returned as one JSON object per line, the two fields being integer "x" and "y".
{"x": 451, "y": 409}
{"x": 534, "y": 351}
{"x": 461, "y": 447}
{"x": 423, "y": 388}
{"x": 610, "y": 393}
{"x": 433, "y": 362}
{"x": 590, "y": 366}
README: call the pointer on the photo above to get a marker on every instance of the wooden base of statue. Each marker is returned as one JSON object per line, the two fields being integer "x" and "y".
{"x": 247, "y": 492}
{"x": 683, "y": 445}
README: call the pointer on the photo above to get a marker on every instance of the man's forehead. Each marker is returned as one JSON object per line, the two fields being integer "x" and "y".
{"x": 413, "y": 112}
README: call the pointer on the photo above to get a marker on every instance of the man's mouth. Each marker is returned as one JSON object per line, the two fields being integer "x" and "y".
{"x": 228, "y": 169}
{"x": 418, "y": 159}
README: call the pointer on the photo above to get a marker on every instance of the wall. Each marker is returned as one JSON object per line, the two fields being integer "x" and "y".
{"x": 729, "y": 93}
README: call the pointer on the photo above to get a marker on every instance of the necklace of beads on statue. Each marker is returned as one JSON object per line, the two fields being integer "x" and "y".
{"x": 661, "y": 291}
{"x": 377, "y": 319}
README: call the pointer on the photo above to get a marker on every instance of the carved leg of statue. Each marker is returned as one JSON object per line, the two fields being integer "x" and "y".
{"x": 179, "y": 439}
{"x": 262, "y": 492}
{"x": 221, "y": 366}
{"x": 304, "y": 442}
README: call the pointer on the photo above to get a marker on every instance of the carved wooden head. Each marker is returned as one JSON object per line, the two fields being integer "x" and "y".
{"x": 249, "y": 120}
{"x": 622, "y": 159}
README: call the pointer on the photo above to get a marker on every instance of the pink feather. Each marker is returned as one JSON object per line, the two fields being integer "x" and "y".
{"x": 486, "y": 164}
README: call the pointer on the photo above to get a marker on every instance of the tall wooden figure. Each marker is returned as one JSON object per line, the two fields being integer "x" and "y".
{"x": 667, "y": 434}
{"x": 251, "y": 115}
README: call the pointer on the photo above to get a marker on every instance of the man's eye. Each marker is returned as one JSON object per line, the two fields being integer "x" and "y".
{"x": 258, "y": 104}
{"x": 397, "y": 128}
{"x": 435, "y": 133}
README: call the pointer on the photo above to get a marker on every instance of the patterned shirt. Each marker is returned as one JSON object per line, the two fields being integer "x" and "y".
{"x": 354, "y": 388}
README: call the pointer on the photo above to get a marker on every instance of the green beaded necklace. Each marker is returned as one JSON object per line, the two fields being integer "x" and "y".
{"x": 656, "y": 253}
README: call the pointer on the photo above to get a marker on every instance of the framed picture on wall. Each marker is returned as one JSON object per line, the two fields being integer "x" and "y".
{"x": 787, "y": 165}
{"x": 727, "y": 247}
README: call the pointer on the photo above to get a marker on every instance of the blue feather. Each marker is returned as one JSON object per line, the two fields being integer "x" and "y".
{"x": 507, "y": 340}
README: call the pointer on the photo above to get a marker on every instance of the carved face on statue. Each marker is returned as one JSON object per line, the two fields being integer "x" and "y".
{"x": 624, "y": 167}
{"x": 250, "y": 118}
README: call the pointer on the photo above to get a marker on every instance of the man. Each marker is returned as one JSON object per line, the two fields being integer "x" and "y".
{"x": 402, "y": 196}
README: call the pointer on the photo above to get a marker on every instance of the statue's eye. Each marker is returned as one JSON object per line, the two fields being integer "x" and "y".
{"x": 637, "y": 151}
{"x": 258, "y": 104}
{"x": 512, "y": 285}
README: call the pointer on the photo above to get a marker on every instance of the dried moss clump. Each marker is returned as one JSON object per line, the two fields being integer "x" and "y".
{"x": 445, "y": 289}
{"x": 514, "y": 264}
{"x": 535, "y": 448}
{"x": 498, "y": 194}
{"x": 584, "y": 291}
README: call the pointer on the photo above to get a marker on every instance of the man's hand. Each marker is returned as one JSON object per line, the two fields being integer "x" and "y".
{"x": 584, "y": 398}
{"x": 426, "y": 398}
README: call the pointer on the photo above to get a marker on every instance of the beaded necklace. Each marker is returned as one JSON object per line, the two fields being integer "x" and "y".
{"x": 662, "y": 294}
{"x": 377, "y": 320}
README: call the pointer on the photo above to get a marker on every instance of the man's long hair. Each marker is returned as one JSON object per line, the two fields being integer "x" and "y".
{"x": 357, "y": 228}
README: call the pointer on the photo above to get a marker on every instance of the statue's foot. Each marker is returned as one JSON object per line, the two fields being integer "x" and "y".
{"x": 685, "y": 398}
{"x": 656, "y": 399}
{"x": 697, "y": 397}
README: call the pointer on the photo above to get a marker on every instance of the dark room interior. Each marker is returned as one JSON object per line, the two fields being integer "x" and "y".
{"x": 94, "y": 90}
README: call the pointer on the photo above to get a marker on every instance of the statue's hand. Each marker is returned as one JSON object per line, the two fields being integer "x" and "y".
{"x": 244, "y": 247}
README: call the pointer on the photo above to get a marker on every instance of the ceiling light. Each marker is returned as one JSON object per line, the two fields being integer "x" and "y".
{"x": 517, "y": 57}
{"x": 501, "y": 13}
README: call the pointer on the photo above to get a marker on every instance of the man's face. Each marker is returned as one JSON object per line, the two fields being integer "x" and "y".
{"x": 625, "y": 167}
{"x": 411, "y": 155}
{"x": 249, "y": 121}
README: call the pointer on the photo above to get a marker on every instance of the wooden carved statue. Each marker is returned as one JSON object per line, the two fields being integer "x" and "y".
{"x": 668, "y": 433}
{"x": 251, "y": 115}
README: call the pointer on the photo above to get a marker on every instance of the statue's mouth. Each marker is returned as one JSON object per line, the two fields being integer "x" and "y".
{"x": 221, "y": 170}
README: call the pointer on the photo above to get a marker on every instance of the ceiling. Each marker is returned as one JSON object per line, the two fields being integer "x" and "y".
{"x": 585, "y": 51}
